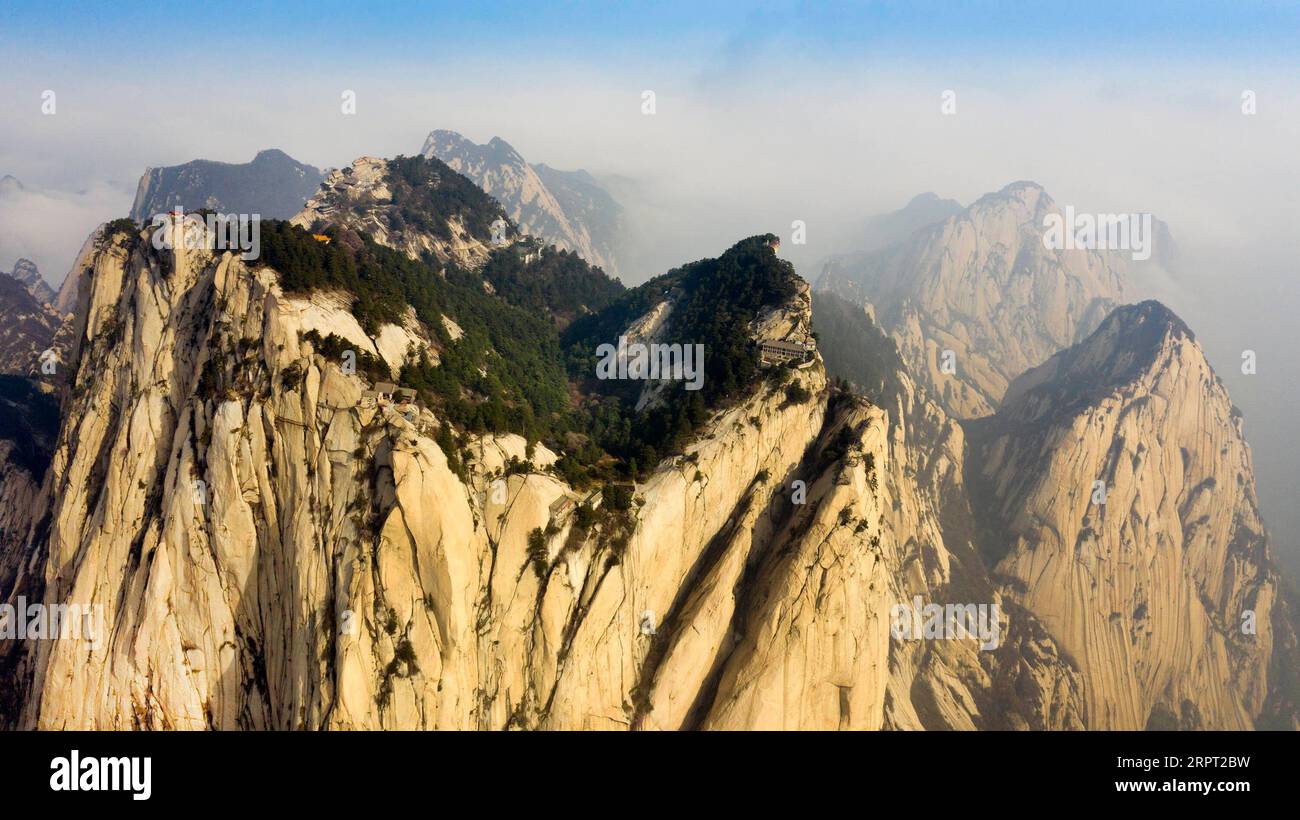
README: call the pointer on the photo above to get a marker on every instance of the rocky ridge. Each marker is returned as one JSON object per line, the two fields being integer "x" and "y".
{"x": 361, "y": 197}
{"x": 568, "y": 209}
{"x": 263, "y": 544}
{"x": 273, "y": 550}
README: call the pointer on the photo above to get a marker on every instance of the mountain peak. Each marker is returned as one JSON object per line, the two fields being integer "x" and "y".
{"x": 26, "y": 272}
{"x": 923, "y": 199}
{"x": 1026, "y": 193}
{"x": 568, "y": 209}
{"x": 272, "y": 155}
{"x": 272, "y": 184}
{"x": 1114, "y": 478}
{"x": 29, "y": 327}
{"x": 504, "y": 152}
{"x": 25, "y": 269}
{"x": 1021, "y": 185}
{"x": 980, "y": 273}
{"x": 1149, "y": 314}
{"x": 442, "y": 139}
{"x": 1131, "y": 346}
{"x": 415, "y": 204}
{"x": 449, "y": 145}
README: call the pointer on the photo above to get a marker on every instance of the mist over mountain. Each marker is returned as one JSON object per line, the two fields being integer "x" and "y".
{"x": 1193, "y": 283}
{"x": 786, "y": 412}
{"x": 979, "y": 298}
{"x": 1129, "y": 425}
{"x": 46, "y": 227}
{"x": 980, "y": 295}
{"x": 922, "y": 211}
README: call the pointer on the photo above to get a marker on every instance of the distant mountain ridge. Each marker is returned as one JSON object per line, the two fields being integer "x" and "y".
{"x": 569, "y": 209}
{"x": 273, "y": 184}
{"x": 25, "y": 271}
{"x": 976, "y": 299}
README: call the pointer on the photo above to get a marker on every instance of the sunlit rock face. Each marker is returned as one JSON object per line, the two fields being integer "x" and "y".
{"x": 272, "y": 551}
{"x": 360, "y": 197}
{"x": 272, "y": 546}
{"x": 1123, "y": 514}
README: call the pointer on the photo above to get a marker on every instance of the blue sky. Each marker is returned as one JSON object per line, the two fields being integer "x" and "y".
{"x": 109, "y": 33}
{"x": 1112, "y": 104}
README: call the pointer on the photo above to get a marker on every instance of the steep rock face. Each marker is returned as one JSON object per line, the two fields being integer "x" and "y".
{"x": 687, "y": 502}
{"x": 307, "y": 580}
{"x": 20, "y": 488}
{"x": 65, "y": 301}
{"x": 210, "y": 489}
{"x": 270, "y": 551}
{"x": 568, "y": 209}
{"x": 982, "y": 285}
{"x": 29, "y": 421}
{"x": 814, "y": 651}
{"x": 791, "y": 612}
{"x": 589, "y": 207}
{"x": 1026, "y": 681}
{"x": 1153, "y": 591}
{"x": 34, "y": 342}
{"x": 273, "y": 185}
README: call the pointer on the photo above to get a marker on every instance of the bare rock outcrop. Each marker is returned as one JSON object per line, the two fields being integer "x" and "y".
{"x": 366, "y": 197}
{"x": 1125, "y": 518}
{"x": 272, "y": 546}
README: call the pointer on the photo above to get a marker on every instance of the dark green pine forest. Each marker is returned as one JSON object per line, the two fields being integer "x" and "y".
{"x": 526, "y": 363}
